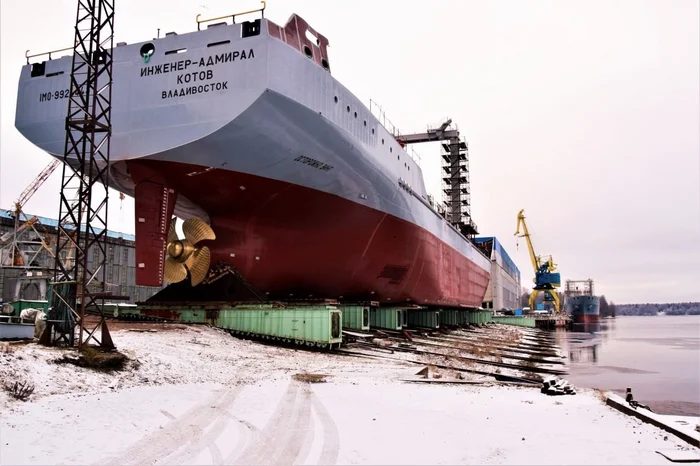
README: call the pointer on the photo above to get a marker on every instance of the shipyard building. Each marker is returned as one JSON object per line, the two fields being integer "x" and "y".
{"x": 27, "y": 277}
{"x": 504, "y": 288}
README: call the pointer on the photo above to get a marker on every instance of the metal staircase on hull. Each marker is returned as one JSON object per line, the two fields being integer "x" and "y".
{"x": 455, "y": 186}
{"x": 455, "y": 180}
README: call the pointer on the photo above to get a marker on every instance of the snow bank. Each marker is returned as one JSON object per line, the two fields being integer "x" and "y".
{"x": 199, "y": 396}
{"x": 181, "y": 356}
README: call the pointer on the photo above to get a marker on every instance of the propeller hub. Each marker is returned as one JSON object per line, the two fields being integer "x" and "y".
{"x": 175, "y": 249}
{"x": 180, "y": 250}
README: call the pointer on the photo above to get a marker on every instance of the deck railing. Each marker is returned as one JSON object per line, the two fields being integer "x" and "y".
{"x": 231, "y": 16}
{"x": 378, "y": 112}
{"x": 27, "y": 56}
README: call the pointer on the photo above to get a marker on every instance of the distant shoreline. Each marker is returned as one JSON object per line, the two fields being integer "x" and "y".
{"x": 650, "y": 309}
{"x": 653, "y": 315}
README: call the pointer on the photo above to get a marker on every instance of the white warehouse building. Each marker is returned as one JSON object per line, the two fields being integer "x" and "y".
{"x": 504, "y": 288}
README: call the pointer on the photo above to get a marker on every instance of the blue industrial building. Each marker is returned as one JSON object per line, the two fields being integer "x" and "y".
{"x": 504, "y": 288}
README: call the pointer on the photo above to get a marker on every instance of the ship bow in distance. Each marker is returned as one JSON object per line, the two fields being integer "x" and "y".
{"x": 584, "y": 309}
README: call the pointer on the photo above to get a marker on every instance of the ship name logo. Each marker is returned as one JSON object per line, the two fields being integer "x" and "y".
{"x": 200, "y": 81}
{"x": 314, "y": 163}
{"x": 193, "y": 90}
{"x": 204, "y": 62}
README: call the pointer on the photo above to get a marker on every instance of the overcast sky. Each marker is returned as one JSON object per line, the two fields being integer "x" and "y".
{"x": 584, "y": 113}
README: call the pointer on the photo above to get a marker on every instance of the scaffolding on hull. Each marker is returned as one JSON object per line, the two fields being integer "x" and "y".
{"x": 455, "y": 186}
{"x": 456, "y": 199}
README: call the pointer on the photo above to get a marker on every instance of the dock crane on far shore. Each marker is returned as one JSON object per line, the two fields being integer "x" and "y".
{"x": 546, "y": 279}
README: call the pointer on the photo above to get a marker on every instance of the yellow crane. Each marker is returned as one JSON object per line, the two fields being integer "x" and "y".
{"x": 546, "y": 279}
{"x": 13, "y": 254}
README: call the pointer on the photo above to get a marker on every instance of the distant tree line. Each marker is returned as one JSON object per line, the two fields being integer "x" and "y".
{"x": 652, "y": 309}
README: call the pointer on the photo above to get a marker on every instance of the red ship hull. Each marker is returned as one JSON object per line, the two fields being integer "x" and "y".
{"x": 586, "y": 318}
{"x": 291, "y": 241}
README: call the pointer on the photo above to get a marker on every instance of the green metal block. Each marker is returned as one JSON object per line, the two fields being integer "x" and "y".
{"x": 449, "y": 317}
{"x": 355, "y": 317}
{"x": 517, "y": 321}
{"x": 423, "y": 318}
{"x": 479, "y": 317}
{"x": 386, "y": 318}
{"x": 320, "y": 324}
{"x": 463, "y": 316}
{"x": 123, "y": 308}
{"x": 313, "y": 324}
{"x": 23, "y": 304}
{"x": 115, "y": 309}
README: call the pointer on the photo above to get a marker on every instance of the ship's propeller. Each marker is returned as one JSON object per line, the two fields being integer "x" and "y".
{"x": 184, "y": 256}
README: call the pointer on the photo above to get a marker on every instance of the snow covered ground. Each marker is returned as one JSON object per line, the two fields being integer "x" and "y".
{"x": 195, "y": 395}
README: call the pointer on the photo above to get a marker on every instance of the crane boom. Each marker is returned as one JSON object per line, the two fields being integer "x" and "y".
{"x": 36, "y": 184}
{"x": 23, "y": 223}
{"x": 526, "y": 234}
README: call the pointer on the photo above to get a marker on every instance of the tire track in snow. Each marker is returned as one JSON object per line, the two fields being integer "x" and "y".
{"x": 281, "y": 439}
{"x": 208, "y": 440}
{"x": 201, "y": 441}
{"x": 296, "y": 431}
{"x": 216, "y": 456}
{"x": 308, "y": 439}
{"x": 167, "y": 414}
{"x": 288, "y": 435}
{"x": 331, "y": 439}
{"x": 160, "y": 444}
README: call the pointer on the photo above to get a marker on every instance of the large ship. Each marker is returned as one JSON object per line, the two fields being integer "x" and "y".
{"x": 244, "y": 127}
{"x": 581, "y": 302}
